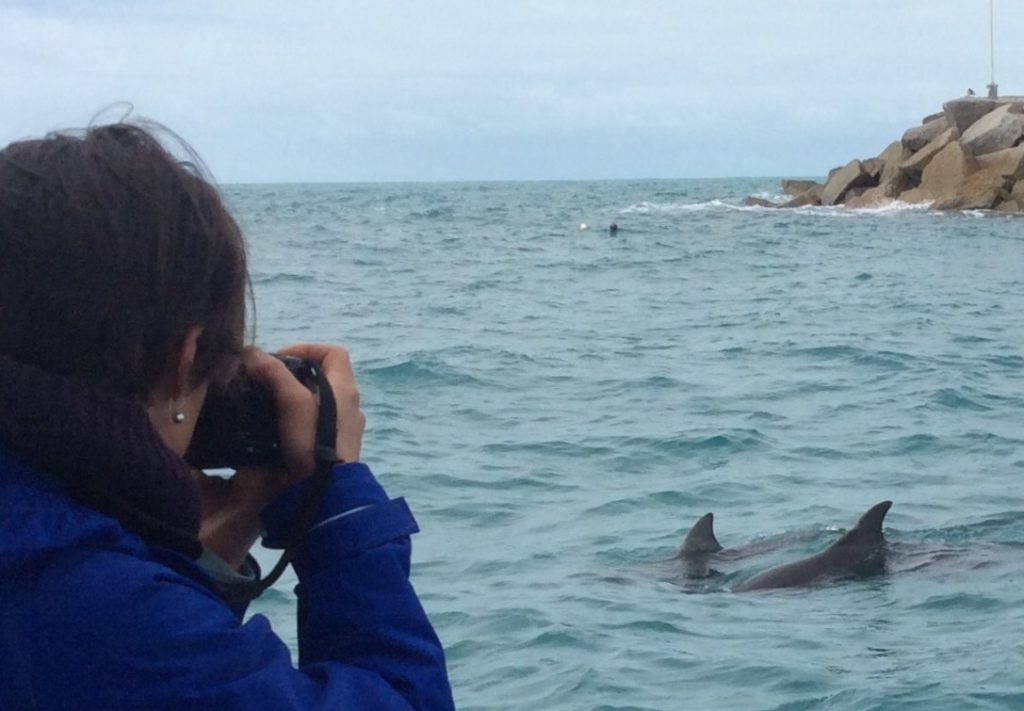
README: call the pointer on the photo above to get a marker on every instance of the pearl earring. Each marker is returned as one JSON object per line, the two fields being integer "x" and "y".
{"x": 178, "y": 418}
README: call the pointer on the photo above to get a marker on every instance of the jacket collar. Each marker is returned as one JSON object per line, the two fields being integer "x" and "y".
{"x": 101, "y": 448}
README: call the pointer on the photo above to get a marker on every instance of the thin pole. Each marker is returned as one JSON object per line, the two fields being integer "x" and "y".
{"x": 992, "y": 37}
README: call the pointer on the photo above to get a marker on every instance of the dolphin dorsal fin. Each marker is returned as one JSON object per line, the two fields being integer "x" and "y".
{"x": 869, "y": 527}
{"x": 701, "y": 538}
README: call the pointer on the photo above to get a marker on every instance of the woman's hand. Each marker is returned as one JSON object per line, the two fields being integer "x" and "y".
{"x": 231, "y": 508}
{"x": 335, "y": 363}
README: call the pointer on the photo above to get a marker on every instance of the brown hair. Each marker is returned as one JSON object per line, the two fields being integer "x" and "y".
{"x": 110, "y": 250}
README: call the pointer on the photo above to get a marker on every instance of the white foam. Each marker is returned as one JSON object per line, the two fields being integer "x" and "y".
{"x": 648, "y": 208}
{"x": 892, "y": 206}
{"x": 839, "y": 211}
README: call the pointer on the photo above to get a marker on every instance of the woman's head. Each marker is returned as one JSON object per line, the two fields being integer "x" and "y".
{"x": 111, "y": 250}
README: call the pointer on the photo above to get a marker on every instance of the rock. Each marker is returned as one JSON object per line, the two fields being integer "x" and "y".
{"x": 799, "y": 187}
{"x": 945, "y": 175}
{"x": 892, "y": 157}
{"x": 811, "y": 197}
{"x": 970, "y": 156}
{"x": 758, "y": 202}
{"x": 995, "y": 131}
{"x": 920, "y": 136}
{"x": 914, "y": 165}
{"x": 988, "y": 185}
{"x": 1008, "y": 163}
{"x": 851, "y": 175}
{"x": 883, "y": 193}
{"x": 895, "y": 185}
{"x": 915, "y": 196}
{"x": 873, "y": 167}
{"x": 872, "y": 197}
{"x": 961, "y": 113}
{"x": 981, "y": 200}
{"x": 982, "y": 188}
{"x": 1017, "y": 194}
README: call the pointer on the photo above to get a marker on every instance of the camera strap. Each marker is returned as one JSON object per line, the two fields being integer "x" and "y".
{"x": 325, "y": 456}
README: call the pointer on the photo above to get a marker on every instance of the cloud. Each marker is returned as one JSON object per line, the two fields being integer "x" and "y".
{"x": 303, "y": 90}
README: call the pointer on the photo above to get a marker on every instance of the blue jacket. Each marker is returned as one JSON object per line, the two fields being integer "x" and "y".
{"x": 93, "y": 618}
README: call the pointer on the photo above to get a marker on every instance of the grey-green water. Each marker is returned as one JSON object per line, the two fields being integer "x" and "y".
{"x": 560, "y": 405}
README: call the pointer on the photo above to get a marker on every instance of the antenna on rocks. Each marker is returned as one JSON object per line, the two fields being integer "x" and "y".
{"x": 993, "y": 88}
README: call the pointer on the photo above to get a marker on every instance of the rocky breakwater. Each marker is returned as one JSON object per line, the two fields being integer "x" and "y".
{"x": 968, "y": 157}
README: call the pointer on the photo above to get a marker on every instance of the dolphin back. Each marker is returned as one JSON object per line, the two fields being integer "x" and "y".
{"x": 861, "y": 551}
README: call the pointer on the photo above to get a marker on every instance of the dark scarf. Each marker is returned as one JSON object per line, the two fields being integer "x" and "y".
{"x": 103, "y": 450}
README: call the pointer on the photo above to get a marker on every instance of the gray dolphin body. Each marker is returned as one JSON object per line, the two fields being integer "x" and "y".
{"x": 861, "y": 551}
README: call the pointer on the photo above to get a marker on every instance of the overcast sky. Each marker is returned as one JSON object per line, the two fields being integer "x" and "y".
{"x": 301, "y": 90}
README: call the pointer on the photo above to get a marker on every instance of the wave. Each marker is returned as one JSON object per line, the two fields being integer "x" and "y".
{"x": 893, "y": 206}
{"x": 434, "y": 213}
{"x": 953, "y": 399}
{"x": 282, "y": 278}
{"x": 890, "y": 360}
{"x": 720, "y": 205}
{"x": 419, "y": 371}
{"x": 733, "y": 441}
{"x": 648, "y": 208}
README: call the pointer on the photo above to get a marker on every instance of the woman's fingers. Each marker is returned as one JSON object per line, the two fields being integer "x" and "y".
{"x": 337, "y": 367}
{"x": 296, "y": 410}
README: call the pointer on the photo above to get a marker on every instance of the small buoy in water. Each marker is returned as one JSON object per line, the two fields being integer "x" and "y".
{"x": 613, "y": 228}
{"x": 584, "y": 226}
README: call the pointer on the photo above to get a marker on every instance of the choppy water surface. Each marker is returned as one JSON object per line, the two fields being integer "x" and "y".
{"x": 559, "y": 406}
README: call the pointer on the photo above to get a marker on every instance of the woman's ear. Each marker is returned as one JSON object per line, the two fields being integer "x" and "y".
{"x": 174, "y": 405}
{"x": 180, "y": 373}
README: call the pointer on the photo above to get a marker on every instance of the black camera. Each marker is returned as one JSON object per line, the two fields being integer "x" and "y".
{"x": 237, "y": 426}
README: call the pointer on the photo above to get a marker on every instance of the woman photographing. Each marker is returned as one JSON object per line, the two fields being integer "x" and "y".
{"x": 124, "y": 573}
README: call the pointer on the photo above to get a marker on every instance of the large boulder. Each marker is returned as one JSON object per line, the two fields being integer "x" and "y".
{"x": 873, "y": 167}
{"x": 915, "y": 165}
{"x": 1008, "y": 163}
{"x": 872, "y": 197}
{"x": 811, "y": 197}
{"x": 1018, "y": 193}
{"x": 995, "y": 131}
{"x": 982, "y": 198}
{"x": 944, "y": 176}
{"x": 1015, "y": 201}
{"x": 916, "y": 138}
{"x": 852, "y": 175}
{"x": 961, "y": 113}
{"x": 799, "y": 187}
{"x": 981, "y": 188}
{"x": 758, "y": 202}
{"x": 885, "y": 192}
{"x": 892, "y": 157}
{"x": 989, "y": 184}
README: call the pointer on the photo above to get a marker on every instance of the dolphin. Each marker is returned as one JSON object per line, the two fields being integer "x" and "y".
{"x": 860, "y": 551}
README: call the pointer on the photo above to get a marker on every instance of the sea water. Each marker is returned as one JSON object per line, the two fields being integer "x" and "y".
{"x": 559, "y": 405}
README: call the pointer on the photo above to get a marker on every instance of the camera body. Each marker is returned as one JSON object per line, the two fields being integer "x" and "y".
{"x": 237, "y": 426}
